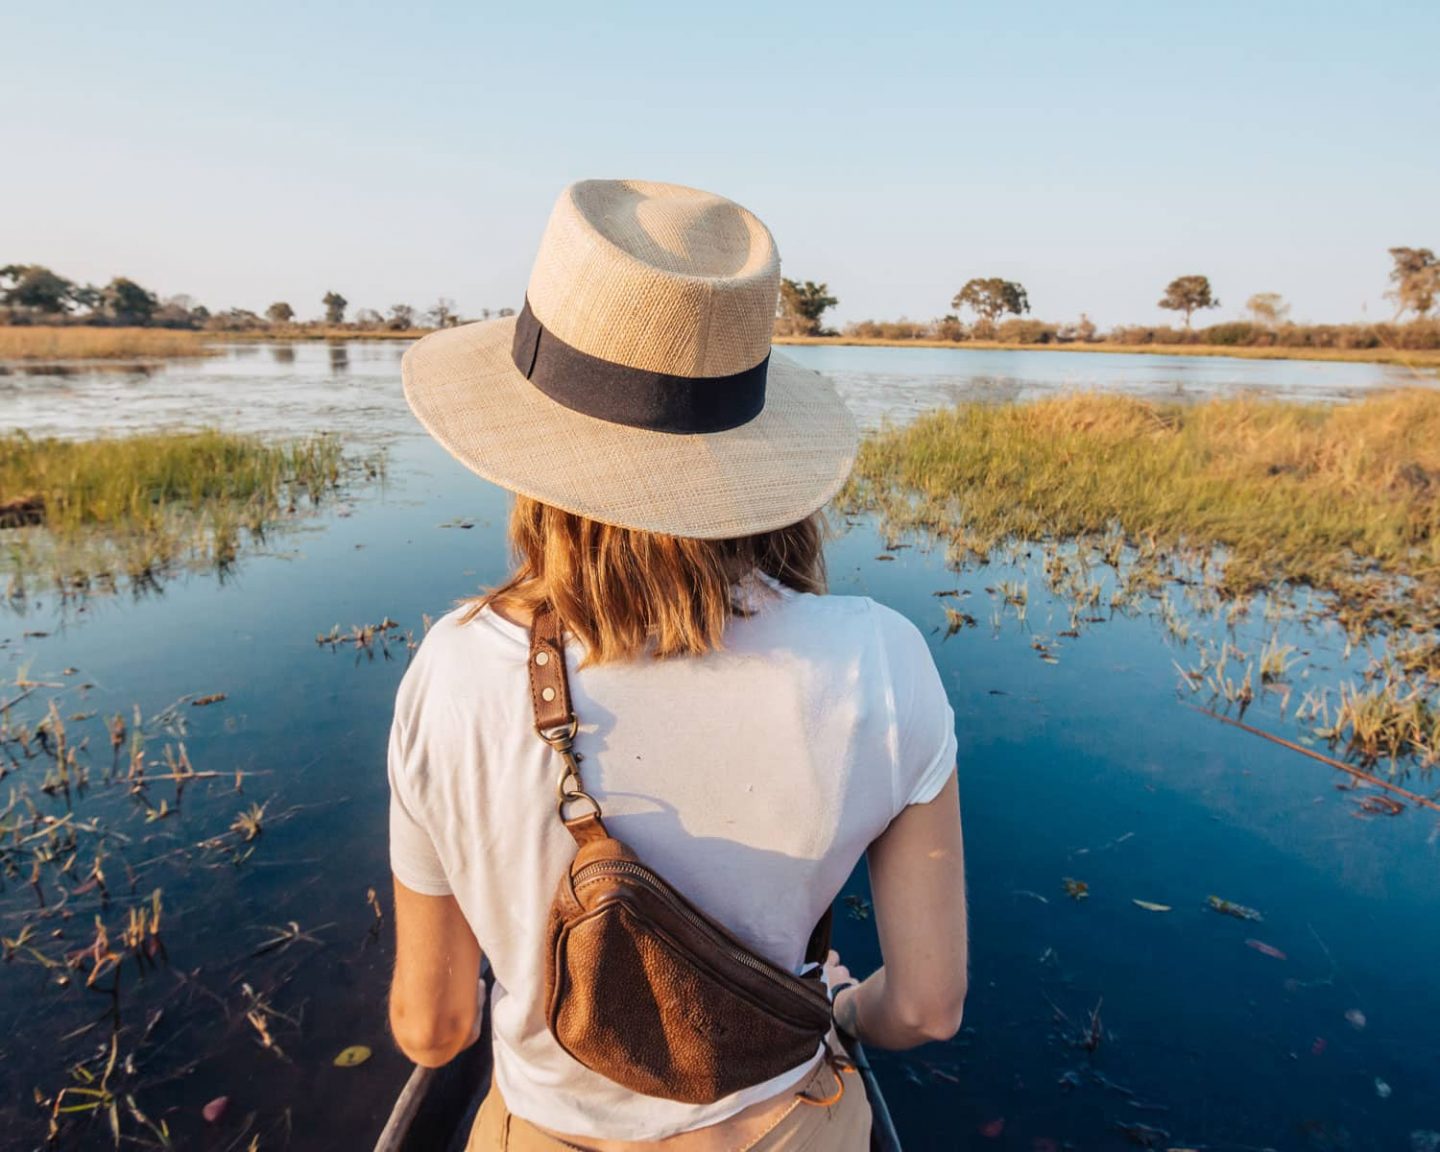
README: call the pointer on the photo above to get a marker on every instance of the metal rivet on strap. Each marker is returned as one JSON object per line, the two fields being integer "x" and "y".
{"x": 542, "y": 658}
{"x": 547, "y": 694}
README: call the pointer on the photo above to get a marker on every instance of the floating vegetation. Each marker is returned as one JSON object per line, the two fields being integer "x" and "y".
{"x": 103, "y": 820}
{"x": 1230, "y": 908}
{"x": 250, "y": 823}
{"x": 352, "y": 1057}
{"x": 85, "y": 517}
{"x": 956, "y": 620}
{"x": 364, "y": 638}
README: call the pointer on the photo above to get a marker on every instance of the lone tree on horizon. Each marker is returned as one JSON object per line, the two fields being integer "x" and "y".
{"x": 801, "y": 306}
{"x": 280, "y": 313}
{"x": 335, "y": 305}
{"x": 991, "y": 297}
{"x": 1416, "y": 277}
{"x": 442, "y": 315}
{"x": 1268, "y": 308}
{"x": 1188, "y": 294}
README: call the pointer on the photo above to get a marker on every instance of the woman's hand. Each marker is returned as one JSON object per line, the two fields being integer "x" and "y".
{"x": 839, "y": 980}
{"x": 836, "y": 974}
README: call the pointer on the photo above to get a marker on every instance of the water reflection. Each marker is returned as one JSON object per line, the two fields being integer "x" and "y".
{"x": 291, "y": 386}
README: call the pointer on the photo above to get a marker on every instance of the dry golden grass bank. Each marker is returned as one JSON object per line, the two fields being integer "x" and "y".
{"x": 82, "y": 343}
{"x": 1425, "y": 361}
{"x": 298, "y": 333}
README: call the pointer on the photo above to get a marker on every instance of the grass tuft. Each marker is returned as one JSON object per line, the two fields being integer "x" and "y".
{"x": 1343, "y": 498}
{"x": 86, "y": 513}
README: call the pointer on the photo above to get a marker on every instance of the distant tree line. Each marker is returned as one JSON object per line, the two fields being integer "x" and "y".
{"x": 33, "y": 294}
{"x": 1414, "y": 290}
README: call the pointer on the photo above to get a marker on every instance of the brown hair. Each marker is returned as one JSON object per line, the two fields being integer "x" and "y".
{"x": 616, "y": 589}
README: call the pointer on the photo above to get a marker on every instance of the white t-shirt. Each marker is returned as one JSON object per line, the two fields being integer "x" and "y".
{"x": 751, "y": 778}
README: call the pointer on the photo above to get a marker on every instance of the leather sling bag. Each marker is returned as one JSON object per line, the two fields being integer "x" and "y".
{"x": 641, "y": 986}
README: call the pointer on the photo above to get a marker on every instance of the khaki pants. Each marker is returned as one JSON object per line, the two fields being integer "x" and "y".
{"x": 829, "y": 1113}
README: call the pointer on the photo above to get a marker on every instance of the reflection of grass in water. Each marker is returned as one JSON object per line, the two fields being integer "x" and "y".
{"x": 1229, "y": 499}
{"x": 81, "y": 343}
{"x": 89, "y": 514}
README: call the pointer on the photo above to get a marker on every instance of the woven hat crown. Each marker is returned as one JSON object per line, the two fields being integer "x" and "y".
{"x": 658, "y": 277}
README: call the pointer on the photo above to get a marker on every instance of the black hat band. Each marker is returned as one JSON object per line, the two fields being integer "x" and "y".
{"x": 635, "y": 397}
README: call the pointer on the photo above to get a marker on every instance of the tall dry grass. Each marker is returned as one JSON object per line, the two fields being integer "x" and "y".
{"x": 82, "y": 343}
{"x": 1425, "y": 360}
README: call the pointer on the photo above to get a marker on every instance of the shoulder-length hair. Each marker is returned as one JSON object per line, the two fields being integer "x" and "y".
{"x": 620, "y": 590}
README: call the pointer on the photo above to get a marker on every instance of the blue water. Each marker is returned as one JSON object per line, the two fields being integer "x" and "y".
{"x": 1093, "y": 768}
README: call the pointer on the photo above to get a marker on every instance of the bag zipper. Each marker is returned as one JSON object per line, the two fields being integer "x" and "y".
{"x": 658, "y": 888}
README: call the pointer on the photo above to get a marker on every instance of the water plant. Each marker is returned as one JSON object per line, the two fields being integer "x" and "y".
{"x": 1341, "y": 498}
{"x": 86, "y": 517}
{"x": 1387, "y": 721}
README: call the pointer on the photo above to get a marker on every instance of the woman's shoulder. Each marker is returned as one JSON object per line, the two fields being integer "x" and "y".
{"x": 849, "y": 619}
{"x": 466, "y": 630}
{"x": 458, "y": 650}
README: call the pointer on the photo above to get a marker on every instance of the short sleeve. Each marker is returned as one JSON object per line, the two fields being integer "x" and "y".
{"x": 413, "y": 858}
{"x": 924, "y": 740}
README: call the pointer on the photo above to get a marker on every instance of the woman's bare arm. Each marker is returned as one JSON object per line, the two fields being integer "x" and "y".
{"x": 434, "y": 996}
{"x": 917, "y": 878}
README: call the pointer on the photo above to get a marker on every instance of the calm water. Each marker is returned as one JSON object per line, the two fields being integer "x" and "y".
{"x": 1091, "y": 768}
{"x": 351, "y": 388}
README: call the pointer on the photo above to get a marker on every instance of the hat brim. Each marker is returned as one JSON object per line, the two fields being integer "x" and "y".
{"x": 775, "y": 470}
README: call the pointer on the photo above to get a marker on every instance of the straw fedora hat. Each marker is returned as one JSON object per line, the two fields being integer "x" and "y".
{"x": 637, "y": 386}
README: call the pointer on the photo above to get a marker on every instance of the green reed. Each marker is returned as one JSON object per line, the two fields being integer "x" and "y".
{"x": 90, "y": 515}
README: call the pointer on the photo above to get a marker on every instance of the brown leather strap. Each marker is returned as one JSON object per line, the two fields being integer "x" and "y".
{"x": 549, "y": 685}
{"x": 550, "y": 698}
{"x": 555, "y": 723}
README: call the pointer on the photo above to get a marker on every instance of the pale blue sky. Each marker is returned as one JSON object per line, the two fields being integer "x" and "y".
{"x": 401, "y": 152}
